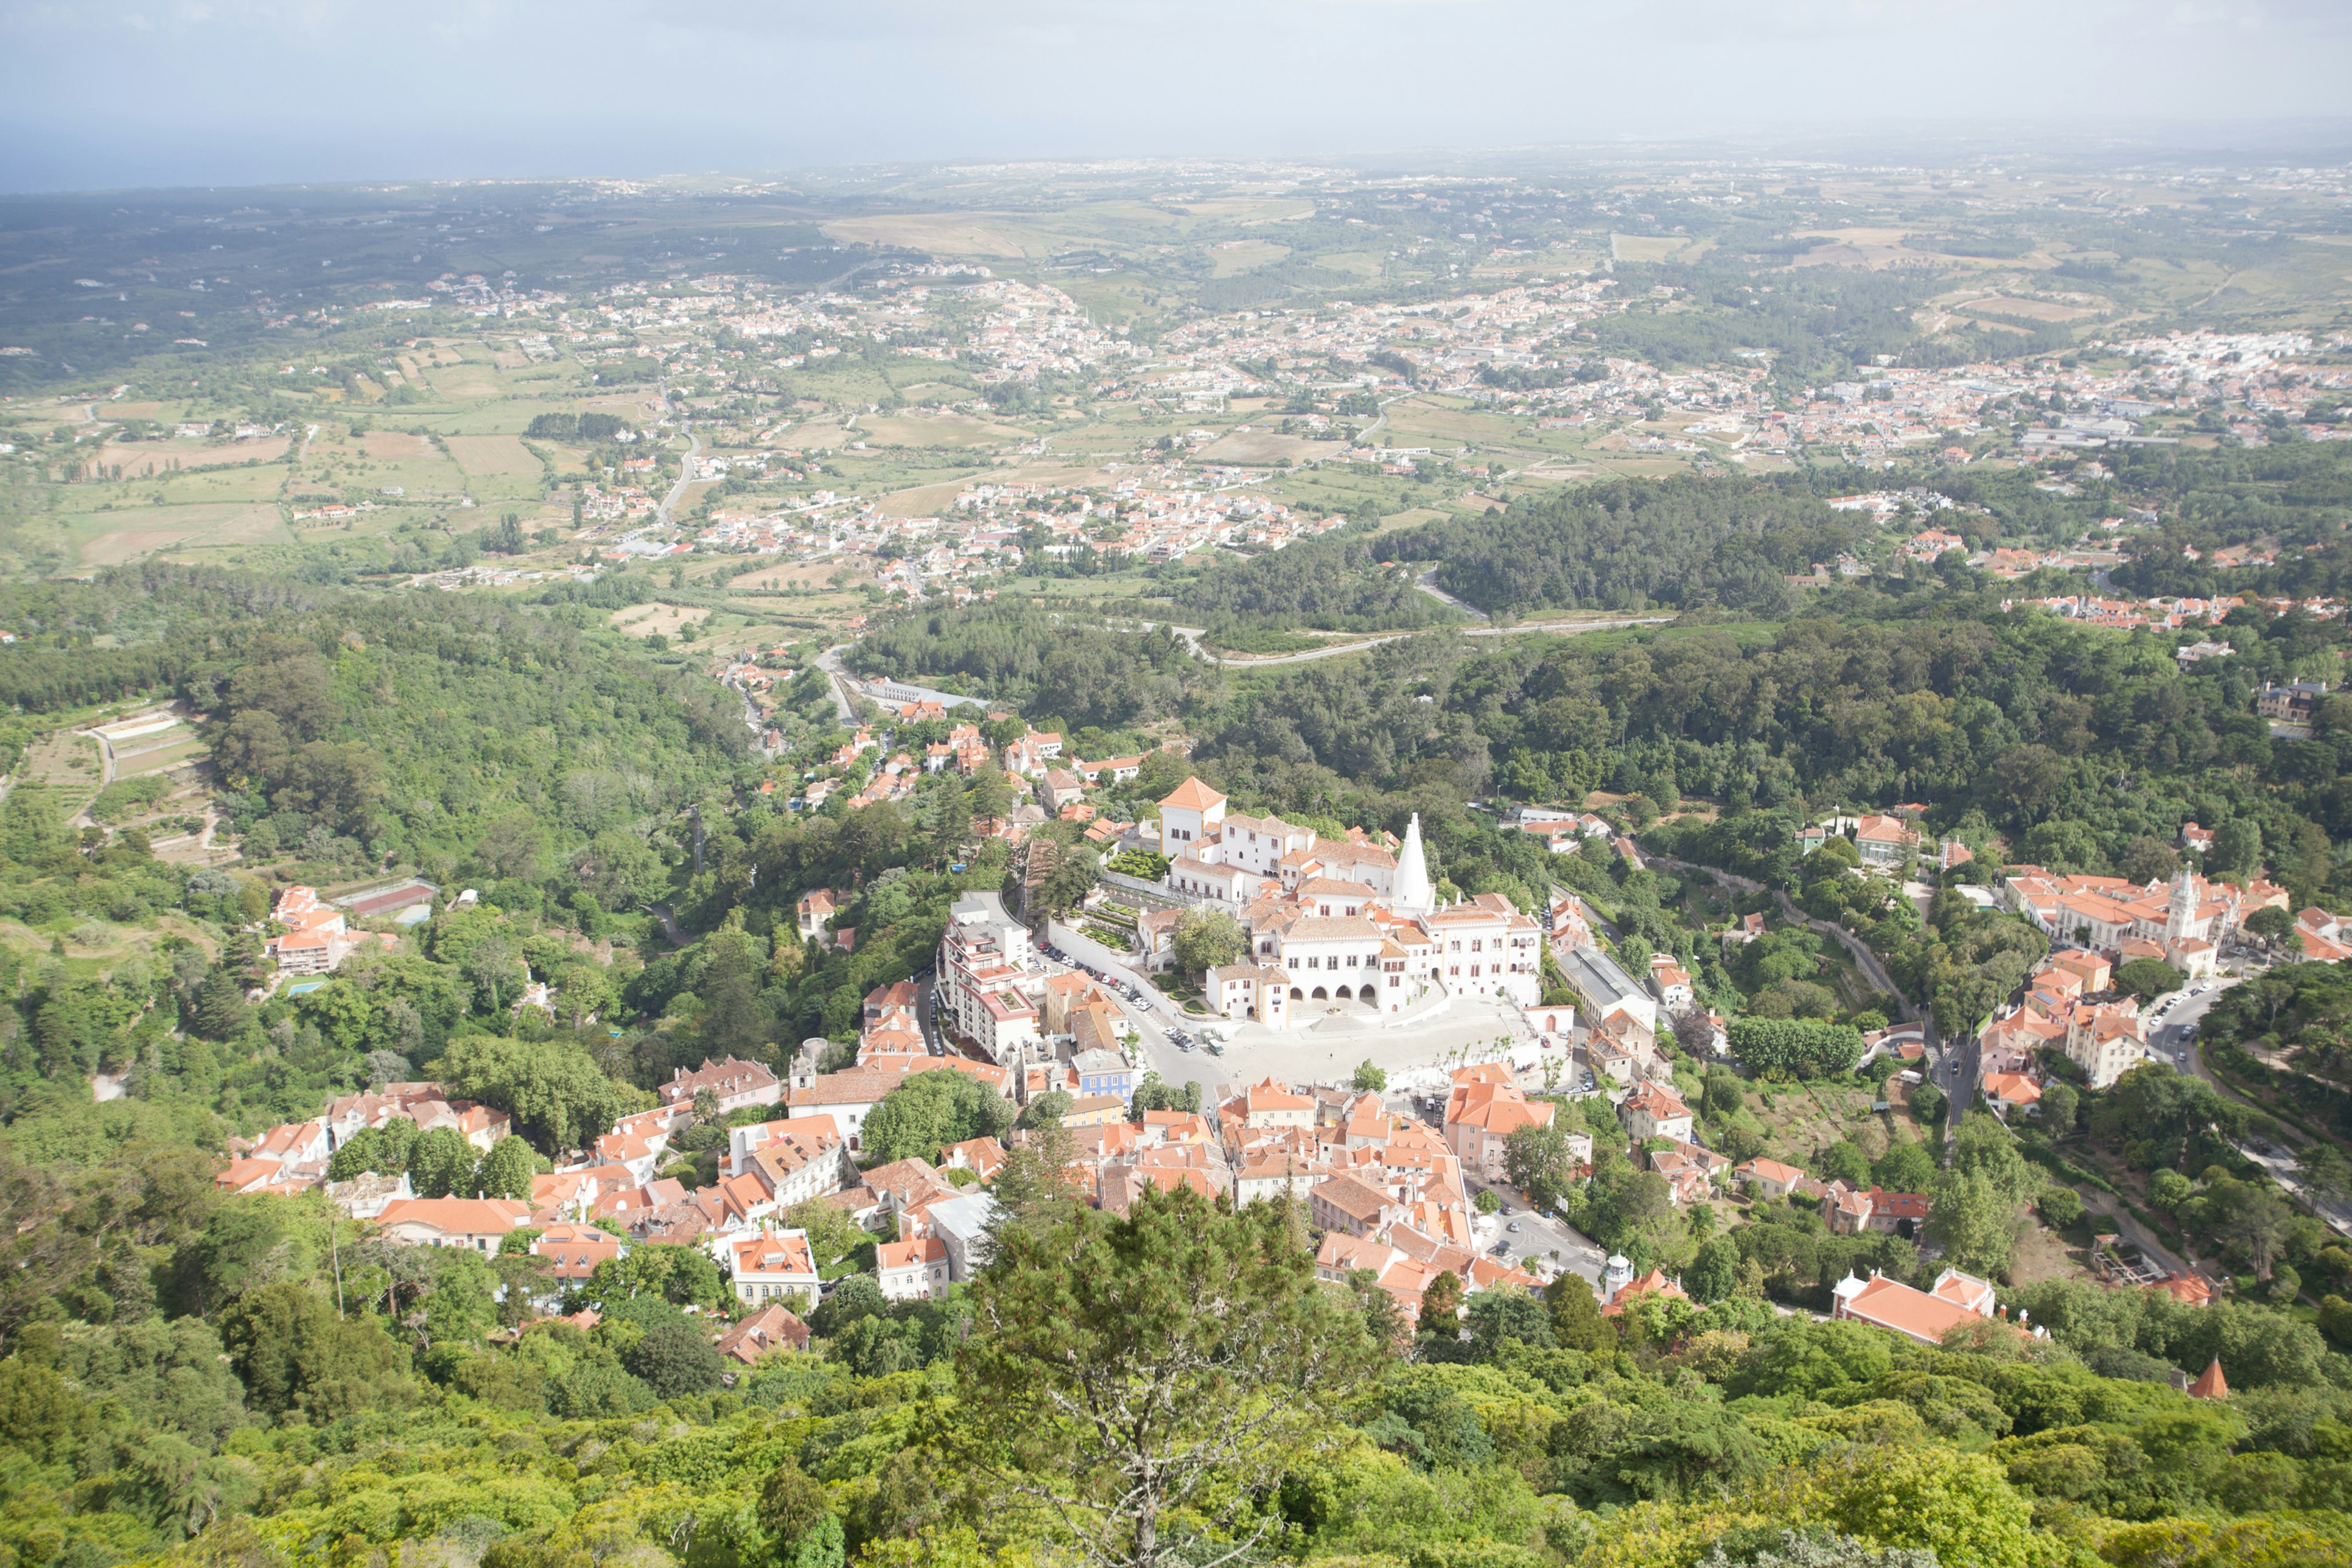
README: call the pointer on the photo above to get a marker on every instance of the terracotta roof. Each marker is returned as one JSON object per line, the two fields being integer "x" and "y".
{"x": 764, "y": 1330}
{"x": 1352, "y": 1198}
{"x": 1660, "y": 1102}
{"x": 2013, "y": 1089}
{"x": 1499, "y": 1109}
{"x": 1337, "y": 928}
{"x": 2211, "y": 1384}
{"x": 1268, "y": 1095}
{"x": 775, "y": 1253}
{"x": 469, "y": 1216}
{"x": 1193, "y": 795}
{"x": 1920, "y": 1315}
{"x": 910, "y": 1254}
{"x": 1653, "y": 1283}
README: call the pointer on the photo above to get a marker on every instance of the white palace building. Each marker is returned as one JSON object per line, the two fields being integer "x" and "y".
{"x": 1336, "y": 919}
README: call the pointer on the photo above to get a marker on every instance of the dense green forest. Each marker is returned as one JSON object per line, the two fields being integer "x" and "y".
{"x": 2075, "y": 741}
{"x": 1336, "y": 582}
{"x": 301, "y": 1396}
{"x": 363, "y": 730}
{"x": 1633, "y": 545}
{"x": 1065, "y": 662}
{"x": 1815, "y": 329}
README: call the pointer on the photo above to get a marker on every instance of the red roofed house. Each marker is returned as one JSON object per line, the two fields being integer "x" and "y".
{"x": 2011, "y": 1089}
{"x": 1770, "y": 1177}
{"x": 1268, "y": 1103}
{"x": 1845, "y": 1211}
{"x": 1483, "y": 1112}
{"x": 912, "y": 1270}
{"x": 1884, "y": 840}
{"x": 1899, "y": 1214}
{"x": 294, "y": 1144}
{"x": 981, "y": 1157}
{"x": 1922, "y": 1315}
{"x": 316, "y": 940}
{"x": 1358, "y": 1208}
{"x": 769, "y": 1329}
{"x": 572, "y": 1251}
{"x": 814, "y": 910}
{"x": 479, "y": 1223}
{"x": 1188, "y": 813}
{"x": 2188, "y": 1290}
{"x": 251, "y": 1174}
{"x": 736, "y": 1083}
{"x": 774, "y": 1267}
{"x": 1654, "y": 1111}
{"x": 1653, "y": 1283}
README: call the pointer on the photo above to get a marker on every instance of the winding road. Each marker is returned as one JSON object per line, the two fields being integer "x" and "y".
{"x": 837, "y": 682}
{"x": 1859, "y": 951}
{"x": 1191, "y": 636}
{"x": 685, "y": 477}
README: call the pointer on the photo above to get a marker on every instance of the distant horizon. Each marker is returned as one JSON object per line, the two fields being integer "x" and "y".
{"x": 138, "y": 94}
{"x": 2055, "y": 143}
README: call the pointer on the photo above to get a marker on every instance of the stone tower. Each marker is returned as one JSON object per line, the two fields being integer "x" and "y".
{"x": 2179, "y": 911}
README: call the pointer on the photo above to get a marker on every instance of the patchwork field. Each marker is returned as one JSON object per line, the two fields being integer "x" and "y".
{"x": 1261, "y": 448}
{"x": 1242, "y": 255}
{"x": 156, "y": 456}
{"x": 1645, "y": 246}
{"x": 395, "y": 446}
{"x": 67, "y": 765}
{"x": 933, "y": 429}
{"x": 959, "y": 233}
{"x": 645, "y": 620}
{"x": 802, "y": 575}
{"x": 467, "y": 382}
{"x": 492, "y": 454}
{"x": 111, "y": 539}
{"x": 160, "y": 759}
{"x": 2031, "y": 309}
{"x": 922, "y": 500}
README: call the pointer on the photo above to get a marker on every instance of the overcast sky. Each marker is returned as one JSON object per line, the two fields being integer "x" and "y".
{"x": 110, "y": 93}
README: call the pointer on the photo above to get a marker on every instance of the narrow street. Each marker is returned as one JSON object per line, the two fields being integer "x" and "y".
{"x": 1539, "y": 1244}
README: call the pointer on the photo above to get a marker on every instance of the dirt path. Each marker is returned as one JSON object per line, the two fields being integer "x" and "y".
{"x": 105, "y": 774}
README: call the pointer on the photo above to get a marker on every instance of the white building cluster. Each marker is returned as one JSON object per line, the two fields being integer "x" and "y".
{"x": 1336, "y": 919}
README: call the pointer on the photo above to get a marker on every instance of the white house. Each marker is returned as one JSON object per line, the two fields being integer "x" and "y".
{"x": 1654, "y": 1111}
{"x": 775, "y": 1265}
{"x": 912, "y": 1270}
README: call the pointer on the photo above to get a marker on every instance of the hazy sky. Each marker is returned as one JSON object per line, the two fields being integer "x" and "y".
{"x": 104, "y": 93}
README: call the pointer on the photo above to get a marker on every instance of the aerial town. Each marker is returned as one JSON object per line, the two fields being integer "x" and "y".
{"x": 1634, "y": 858}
